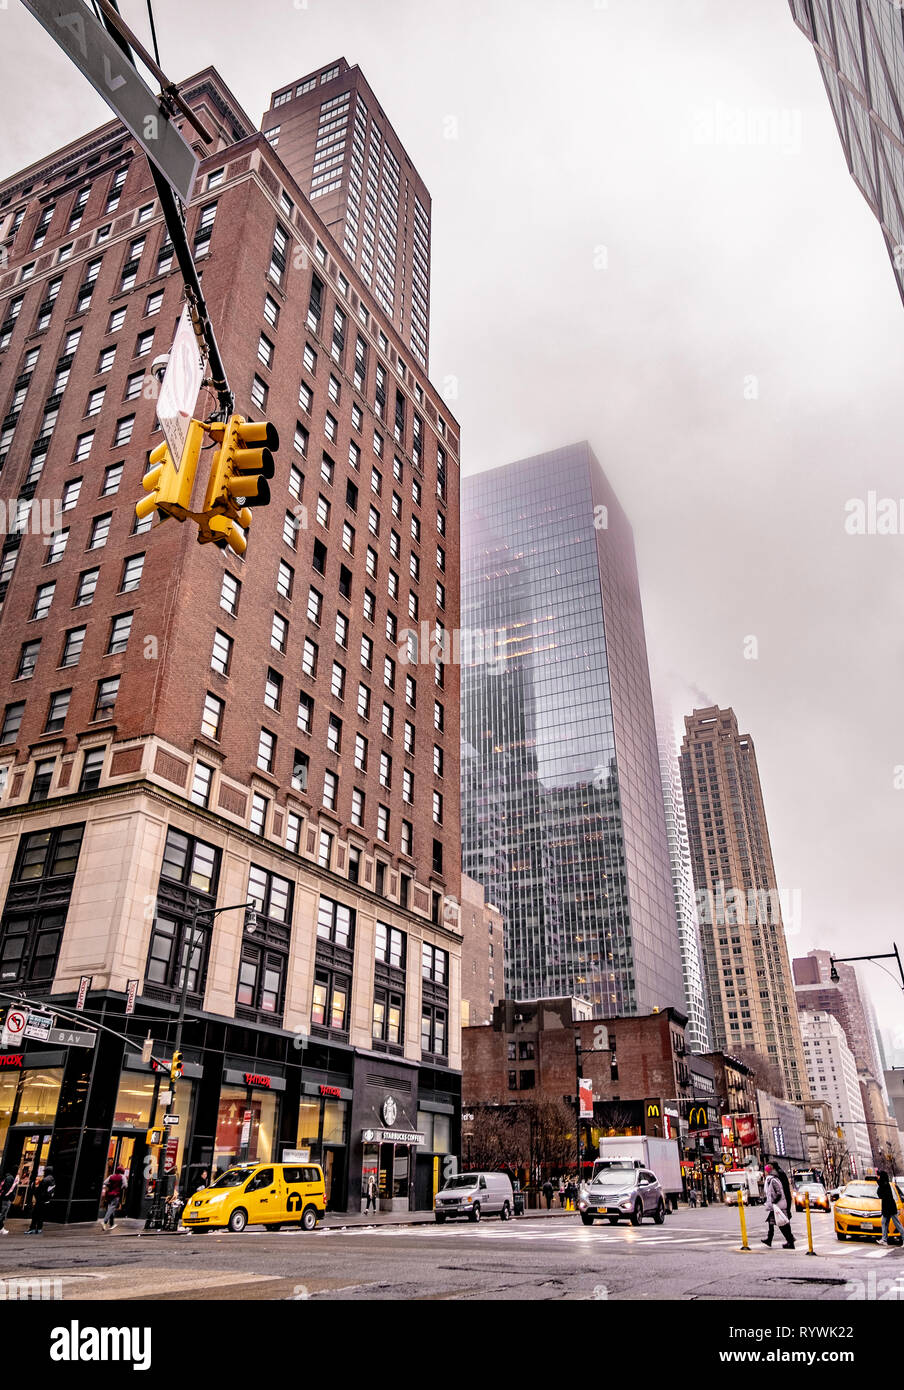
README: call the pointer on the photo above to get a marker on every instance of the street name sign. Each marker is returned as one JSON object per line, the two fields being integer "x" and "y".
{"x": 83, "y": 39}
{"x": 71, "y": 1037}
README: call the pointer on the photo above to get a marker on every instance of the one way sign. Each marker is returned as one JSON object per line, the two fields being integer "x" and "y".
{"x": 109, "y": 71}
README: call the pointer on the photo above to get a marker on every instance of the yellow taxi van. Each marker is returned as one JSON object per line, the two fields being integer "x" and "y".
{"x": 259, "y": 1194}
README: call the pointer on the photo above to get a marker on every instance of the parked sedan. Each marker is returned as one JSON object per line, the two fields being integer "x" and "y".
{"x": 622, "y": 1194}
{"x": 858, "y": 1211}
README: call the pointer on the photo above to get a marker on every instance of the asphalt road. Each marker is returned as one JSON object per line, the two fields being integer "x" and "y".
{"x": 694, "y": 1255}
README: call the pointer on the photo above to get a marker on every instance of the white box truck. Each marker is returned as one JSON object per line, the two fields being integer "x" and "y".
{"x": 660, "y": 1156}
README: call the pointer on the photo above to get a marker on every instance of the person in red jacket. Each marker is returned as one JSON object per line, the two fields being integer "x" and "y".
{"x": 111, "y": 1197}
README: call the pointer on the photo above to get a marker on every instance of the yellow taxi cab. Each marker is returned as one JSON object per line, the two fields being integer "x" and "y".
{"x": 858, "y": 1210}
{"x": 268, "y": 1194}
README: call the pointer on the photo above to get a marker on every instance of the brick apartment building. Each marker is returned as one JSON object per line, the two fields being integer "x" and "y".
{"x": 182, "y": 730}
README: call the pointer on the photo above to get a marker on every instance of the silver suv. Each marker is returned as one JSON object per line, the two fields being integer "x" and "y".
{"x": 622, "y": 1194}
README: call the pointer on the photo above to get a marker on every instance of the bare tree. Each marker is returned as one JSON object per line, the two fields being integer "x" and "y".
{"x": 768, "y": 1074}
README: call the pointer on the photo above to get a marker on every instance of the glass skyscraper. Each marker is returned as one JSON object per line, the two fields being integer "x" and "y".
{"x": 562, "y": 807}
{"x": 859, "y": 45}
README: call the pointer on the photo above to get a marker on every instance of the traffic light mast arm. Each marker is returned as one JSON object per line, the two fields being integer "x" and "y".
{"x": 175, "y": 225}
{"x": 40, "y": 1005}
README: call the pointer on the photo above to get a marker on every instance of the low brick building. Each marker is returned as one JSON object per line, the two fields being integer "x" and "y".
{"x": 638, "y": 1065}
{"x": 481, "y": 953}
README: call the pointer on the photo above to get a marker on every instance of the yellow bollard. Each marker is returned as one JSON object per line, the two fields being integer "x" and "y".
{"x": 810, "y": 1250}
{"x": 744, "y": 1245}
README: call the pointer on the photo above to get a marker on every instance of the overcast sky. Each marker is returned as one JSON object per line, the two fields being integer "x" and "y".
{"x": 718, "y": 317}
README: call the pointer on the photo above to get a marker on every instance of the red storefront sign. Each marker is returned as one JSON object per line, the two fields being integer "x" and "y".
{"x": 253, "y": 1079}
{"x": 11, "y": 1059}
{"x": 331, "y": 1091}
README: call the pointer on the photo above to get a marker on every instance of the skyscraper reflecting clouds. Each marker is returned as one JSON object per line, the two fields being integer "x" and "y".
{"x": 562, "y": 810}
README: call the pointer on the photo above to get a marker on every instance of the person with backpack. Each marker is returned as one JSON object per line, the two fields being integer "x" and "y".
{"x": 43, "y": 1194}
{"x": 111, "y": 1197}
{"x": 890, "y": 1211}
{"x": 777, "y": 1207}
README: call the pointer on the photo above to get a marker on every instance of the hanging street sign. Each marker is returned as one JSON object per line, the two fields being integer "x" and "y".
{"x": 179, "y": 391}
{"x": 71, "y": 1037}
{"x": 83, "y": 39}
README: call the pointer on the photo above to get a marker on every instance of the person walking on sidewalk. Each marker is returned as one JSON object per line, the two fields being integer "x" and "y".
{"x": 890, "y": 1212}
{"x": 8, "y": 1190}
{"x": 43, "y": 1193}
{"x": 776, "y": 1208}
{"x": 111, "y": 1197}
{"x": 371, "y": 1194}
{"x": 547, "y": 1193}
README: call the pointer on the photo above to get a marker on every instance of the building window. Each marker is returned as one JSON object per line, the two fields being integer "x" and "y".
{"x": 266, "y": 750}
{"x": 305, "y": 713}
{"x": 300, "y": 767}
{"x": 201, "y": 784}
{"x": 309, "y": 657}
{"x": 330, "y": 791}
{"x": 229, "y": 594}
{"x": 120, "y": 630}
{"x": 433, "y": 1030}
{"x": 221, "y": 655}
{"x": 92, "y": 767}
{"x": 12, "y": 721}
{"x": 131, "y": 574}
{"x": 293, "y": 832}
{"x": 28, "y": 657}
{"x": 32, "y": 930}
{"x": 105, "y": 700}
{"x": 273, "y": 689}
{"x": 258, "y": 819}
{"x": 100, "y": 530}
{"x": 212, "y": 717}
{"x": 279, "y": 633}
{"x": 57, "y": 711}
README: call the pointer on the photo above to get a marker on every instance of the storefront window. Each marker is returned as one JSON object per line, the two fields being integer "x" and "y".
{"x": 134, "y": 1100}
{"x": 246, "y": 1127}
{"x": 335, "y": 1118}
{"x": 38, "y": 1097}
{"x": 8, "y": 1085}
{"x": 309, "y": 1125}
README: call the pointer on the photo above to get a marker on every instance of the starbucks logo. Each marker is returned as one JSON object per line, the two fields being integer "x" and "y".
{"x": 390, "y": 1112}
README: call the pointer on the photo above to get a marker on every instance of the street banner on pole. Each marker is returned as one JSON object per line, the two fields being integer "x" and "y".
{"x": 83, "y": 39}
{"x": 586, "y": 1094}
{"x": 131, "y": 995}
{"x": 84, "y": 986}
{"x": 179, "y": 391}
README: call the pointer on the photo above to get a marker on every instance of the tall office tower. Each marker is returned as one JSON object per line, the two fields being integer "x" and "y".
{"x": 182, "y": 731}
{"x": 682, "y": 881}
{"x": 562, "y": 811}
{"x": 859, "y": 45}
{"x": 742, "y": 935}
{"x": 832, "y": 1076}
{"x": 336, "y": 140}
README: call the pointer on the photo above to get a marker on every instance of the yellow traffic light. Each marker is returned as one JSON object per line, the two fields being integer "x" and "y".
{"x": 169, "y": 484}
{"x": 176, "y": 1066}
{"x": 238, "y": 480}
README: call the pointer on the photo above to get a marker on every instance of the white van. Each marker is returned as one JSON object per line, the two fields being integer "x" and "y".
{"x": 475, "y": 1195}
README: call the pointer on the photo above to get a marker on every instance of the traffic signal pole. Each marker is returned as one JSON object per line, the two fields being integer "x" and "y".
{"x": 172, "y": 215}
